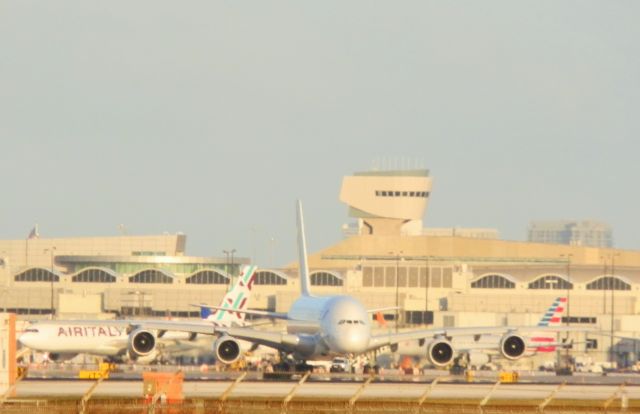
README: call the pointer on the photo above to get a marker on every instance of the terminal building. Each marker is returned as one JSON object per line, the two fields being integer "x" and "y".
{"x": 438, "y": 277}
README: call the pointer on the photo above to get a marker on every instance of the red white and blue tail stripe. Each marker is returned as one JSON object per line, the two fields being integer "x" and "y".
{"x": 552, "y": 317}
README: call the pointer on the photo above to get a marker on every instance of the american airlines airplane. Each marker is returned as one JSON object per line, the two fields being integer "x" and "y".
{"x": 478, "y": 350}
{"x": 64, "y": 339}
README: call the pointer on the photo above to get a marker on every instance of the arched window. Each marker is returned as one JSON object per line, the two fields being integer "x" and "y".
{"x": 151, "y": 276}
{"x": 608, "y": 283}
{"x": 551, "y": 282}
{"x": 325, "y": 279}
{"x": 266, "y": 277}
{"x": 36, "y": 275}
{"x": 493, "y": 282}
{"x": 208, "y": 277}
{"x": 95, "y": 276}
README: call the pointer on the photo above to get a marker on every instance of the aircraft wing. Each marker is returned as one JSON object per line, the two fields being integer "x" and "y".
{"x": 278, "y": 340}
{"x": 388, "y": 339}
{"x": 266, "y": 314}
{"x": 203, "y": 327}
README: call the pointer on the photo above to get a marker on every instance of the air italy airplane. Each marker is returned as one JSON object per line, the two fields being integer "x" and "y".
{"x": 64, "y": 339}
{"x": 478, "y": 350}
{"x": 323, "y": 327}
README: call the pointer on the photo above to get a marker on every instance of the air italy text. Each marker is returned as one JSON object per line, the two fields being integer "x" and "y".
{"x": 89, "y": 331}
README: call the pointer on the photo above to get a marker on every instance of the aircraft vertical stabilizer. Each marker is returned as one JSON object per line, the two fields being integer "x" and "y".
{"x": 302, "y": 255}
{"x": 236, "y": 299}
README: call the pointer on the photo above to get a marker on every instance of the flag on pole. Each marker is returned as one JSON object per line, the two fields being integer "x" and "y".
{"x": 33, "y": 234}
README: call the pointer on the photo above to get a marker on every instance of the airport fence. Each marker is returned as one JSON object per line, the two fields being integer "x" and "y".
{"x": 301, "y": 406}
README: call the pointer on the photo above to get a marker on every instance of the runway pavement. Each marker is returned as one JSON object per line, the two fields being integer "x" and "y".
{"x": 52, "y": 389}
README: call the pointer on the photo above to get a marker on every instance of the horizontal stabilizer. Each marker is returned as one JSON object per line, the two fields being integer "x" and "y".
{"x": 266, "y": 314}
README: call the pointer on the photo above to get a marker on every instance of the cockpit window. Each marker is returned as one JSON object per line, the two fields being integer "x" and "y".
{"x": 351, "y": 322}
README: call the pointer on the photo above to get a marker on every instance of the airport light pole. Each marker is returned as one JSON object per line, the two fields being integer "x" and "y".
{"x": 569, "y": 287}
{"x": 227, "y": 268}
{"x": 4, "y": 260}
{"x": 426, "y": 292}
{"x": 397, "y": 287}
{"x": 613, "y": 279}
{"x": 51, "y": 253}
{"x": 604, "y": 287}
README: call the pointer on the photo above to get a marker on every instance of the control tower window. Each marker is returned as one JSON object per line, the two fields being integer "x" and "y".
{"x": 380, "y": 193}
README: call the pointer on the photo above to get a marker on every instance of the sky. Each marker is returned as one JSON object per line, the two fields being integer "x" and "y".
{"x": 212, "y": 117}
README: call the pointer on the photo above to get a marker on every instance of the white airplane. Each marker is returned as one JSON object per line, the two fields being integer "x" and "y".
{"x": 64, "y": 339}
{"x": 478, "y": 350}
{"x": 323, "y": 327}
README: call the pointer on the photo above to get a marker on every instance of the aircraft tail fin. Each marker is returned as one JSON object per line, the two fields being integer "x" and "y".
{"x": 553, "y": 315}
{"x": 302, "y": 254}
{"x": 236, "y": 299}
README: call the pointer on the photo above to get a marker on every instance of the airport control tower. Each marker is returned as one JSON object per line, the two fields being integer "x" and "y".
{"x": 387, "y": 202}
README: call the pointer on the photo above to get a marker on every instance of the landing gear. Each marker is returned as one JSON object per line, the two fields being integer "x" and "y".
{"x": 302, "y": 366}
{"x": 287, "y": 368}
{"x": 459, "y": 366}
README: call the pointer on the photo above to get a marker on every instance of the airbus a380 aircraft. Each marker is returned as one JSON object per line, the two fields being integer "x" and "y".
{"x": 123, "y": 339}
{"x": 323, "y": 327}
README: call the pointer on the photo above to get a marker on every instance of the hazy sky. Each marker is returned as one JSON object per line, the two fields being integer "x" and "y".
{"x": 212, "y": 117}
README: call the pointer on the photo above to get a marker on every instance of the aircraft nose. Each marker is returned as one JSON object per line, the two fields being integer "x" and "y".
{"x": 351, "y": 340}
{"x": 28, "y": 339}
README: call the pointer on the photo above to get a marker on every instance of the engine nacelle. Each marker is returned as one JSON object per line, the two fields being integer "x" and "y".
{"x": 141, "y": 343}
{"x": 512, "y": 346}
{"x": 227, "y": 349}
{"x": 58, "y": 357}
{"x": 440, "y": 353}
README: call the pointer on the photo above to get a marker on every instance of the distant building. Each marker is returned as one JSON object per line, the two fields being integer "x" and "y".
{"x": 586, "y": 233}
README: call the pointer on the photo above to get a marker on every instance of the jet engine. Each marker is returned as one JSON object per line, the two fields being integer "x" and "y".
{"x": 512, "y": 346}
{"x": 226, "y": 349}
{"x": 58, "y": 357}
{"x": 440, "y": 353}
{"x": 141, "y": 343}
